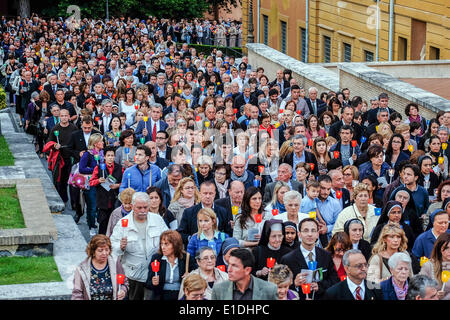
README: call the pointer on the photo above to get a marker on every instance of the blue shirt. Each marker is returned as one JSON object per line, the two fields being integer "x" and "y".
{"x": 195, "y": 242}
{"x": 308, "y": 205}
{"x": 424, "y": 244}
{"x": 329, "y": 210}
{"x": 296, "y": 160}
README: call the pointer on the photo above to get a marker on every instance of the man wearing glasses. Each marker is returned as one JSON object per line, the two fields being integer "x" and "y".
{"x": 355, "y": 286}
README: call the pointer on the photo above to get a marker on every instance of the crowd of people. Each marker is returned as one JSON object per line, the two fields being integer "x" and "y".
{"x": 206, "y": 178}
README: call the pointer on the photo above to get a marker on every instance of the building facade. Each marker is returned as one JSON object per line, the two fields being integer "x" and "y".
{"x": 344, "y": 31}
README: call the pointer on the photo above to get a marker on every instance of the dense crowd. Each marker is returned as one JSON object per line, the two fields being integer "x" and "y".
{"x": 206, "y": 178}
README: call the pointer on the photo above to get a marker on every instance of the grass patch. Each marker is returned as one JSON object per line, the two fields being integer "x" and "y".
{"x": 10, "y": 213}
{"x": 19, "y": 270}
{"x": 6, "y": 157}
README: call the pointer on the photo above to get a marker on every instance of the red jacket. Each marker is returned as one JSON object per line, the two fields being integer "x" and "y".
{"x": 54, "y": 158}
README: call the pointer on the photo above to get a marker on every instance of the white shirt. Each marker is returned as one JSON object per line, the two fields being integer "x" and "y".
{"x": 106, "y": 121}
{"x": 86, "y": 137}
{"x": 130, "y": 111}
{"x": 171, "y": 268}
{"x": 306, "y": 253}
{"x": 352, "y": 287}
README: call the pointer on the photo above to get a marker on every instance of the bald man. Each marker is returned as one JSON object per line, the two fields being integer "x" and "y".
{"x": 155, "y": 158}
{"x": 239, "y": 173}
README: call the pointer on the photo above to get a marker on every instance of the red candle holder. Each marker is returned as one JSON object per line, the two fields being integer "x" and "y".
{"x": 221, "y": 267}
{"x": 354, "y": 143}
{"x": 306, "y": 288}
{"x": 124, "y": 223}
{"x": 310, "y": 142}
{"x": 120, "y": 278}
{"x": 312, "y": 166}
{"x": 343, "y": 277}
{"x": 155, "y": 266}
{"x": 299, "y": 112}
{"x": 235, "y": 111}
{"x": 339, "y": 194}
{"x": 261, "y": 169}
{"x": 270, "y": 262}
{"x": 274, "y": 212}
{"x": 336, "y": 154}
{"x": 258, "y": 218}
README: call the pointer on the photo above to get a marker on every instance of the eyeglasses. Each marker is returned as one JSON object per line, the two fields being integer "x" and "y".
{"x": 339, "y": 249}
{"x": 208, "y": 258}
{"x": 360, "y": 266}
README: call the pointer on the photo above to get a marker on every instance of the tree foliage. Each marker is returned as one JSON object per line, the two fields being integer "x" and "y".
{"x": 176, "y": 9}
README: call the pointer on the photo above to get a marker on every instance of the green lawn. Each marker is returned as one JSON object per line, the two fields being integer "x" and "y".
{"x": 19, "y": 270}
{"x": 6, "y": 157}
{"x": 10, "y": 213}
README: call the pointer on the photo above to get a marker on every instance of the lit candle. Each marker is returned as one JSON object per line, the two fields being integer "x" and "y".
{"x": 338, "y": 194}
{"x": 57, "y": 135}
{"x": 354, "y": 142}
{"x": 155, "y": 267}
{"x": 423, "y": 260}
{"x": 221, "y": 267}
{"x": 274, "y": 212}
{"x": 312, "y": 215}
{"x": 234, "y": 210}
{"x": 270, "y": 262}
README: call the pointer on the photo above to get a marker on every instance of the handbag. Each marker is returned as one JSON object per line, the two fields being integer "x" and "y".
{"x": 77, "y": 179}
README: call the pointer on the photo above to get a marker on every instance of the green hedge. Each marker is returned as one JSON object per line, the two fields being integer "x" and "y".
{"x": 2, "y": 98}
{"x": 207, "y": 49}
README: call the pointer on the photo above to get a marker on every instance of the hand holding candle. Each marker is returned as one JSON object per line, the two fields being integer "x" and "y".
{"x": 423, "y": 260}
{"x": 234, "y": 210}
{"x": 270, "y": 262}
{"x": 155, "y": 266}
{"x": 57, "y": 135}
{"x": 445, "y": 275}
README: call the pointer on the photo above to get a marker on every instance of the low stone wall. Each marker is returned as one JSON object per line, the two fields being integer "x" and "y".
{"x": 36, "y": 238}
{"x": 368, "y": 82}
{"x": 307, "y": 75}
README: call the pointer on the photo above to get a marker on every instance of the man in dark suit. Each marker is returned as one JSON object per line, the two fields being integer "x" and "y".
{"x": 245, "y": 98}
{"x": 168, "y": 184}
{"x": 164, "y": 151}
{"x": 105, "y": 118}
{"x": 355, "y": 286}
{"x": 280, "y": 81}
{"x": 236, "y": 195}
{"x": 337, "y": 184}
{"x": 51, "y": 88}
{"x": 300, "y": 154}
{"x": 285, "y": 175}
{"x": 80, "y": 138}
{"x": 382, "y": 117}
{"x": 347, "y": 119}
{"x": 154, "y": 125}
{"x": 316, "y": 106}
{"x": 154, "y": 158}
{"x": 188, "y": 225}
{"x": 298, "y": 259}
{"x": 383, "y": 103}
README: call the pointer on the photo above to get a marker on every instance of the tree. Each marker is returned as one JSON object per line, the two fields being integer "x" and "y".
{"x": 23, "y": 8}
{"x": 216, "y": 5}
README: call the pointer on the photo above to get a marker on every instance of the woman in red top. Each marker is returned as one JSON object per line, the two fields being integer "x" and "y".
{"x": 265, "y": 124}
{"x": 313, "y": 130}
{"x": 338, "y": 245}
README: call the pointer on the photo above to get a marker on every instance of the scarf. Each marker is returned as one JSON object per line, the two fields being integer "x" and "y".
{"x": 281, "y": 208}
{"x": 186, "y": 203}
{"x": 242, "y": 178}
{"x": 222, "y": 188}
{"x": 124, "y": 212}
{"x": 399, "y": 292}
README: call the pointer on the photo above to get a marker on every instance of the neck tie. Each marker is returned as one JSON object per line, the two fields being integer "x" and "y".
{"x": 310, "y": 256}
{"x": 154, "y": 132}
{"x": 358, "y": 294}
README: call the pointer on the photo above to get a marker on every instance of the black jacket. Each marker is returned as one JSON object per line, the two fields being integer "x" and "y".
{"x": 107, "y": 199}
{"x": 188, "y": 225}
{"x": 335, "y": 127}
{"x": 157, "y": 290}
{"x": 296, "y": 262}
{"x": 78, "y": 143}
{"x": 340, "y": 291}
{"x": 309, "y": 158}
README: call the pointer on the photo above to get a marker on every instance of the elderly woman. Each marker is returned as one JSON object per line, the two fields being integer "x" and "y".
{"x": 242, "y": 141}
{"x": 292, "y": 201}
{"x": 270, "y": 246}
{"x": 375, "y": 167}
{"x": 96, "y": 277}
{"x": 439, "y": 261}
{"x": 403, "y": 195}
{"x": 396, "y": 287}
{"x": 207, "y": 235}
{"x": 392, "y": 239}
{"x": 125, "y": 198}
{"x": 186, "y": 195}
{"x": 194, "y": 287}
{"x": 251, "y": 208}
{"x": 354, "y": 228}
{"x": 206, "y": 260}
{"x": 393, "y": 212}
{"x": 173, "y": 265}
{"x": 282, "y": 276}
{"x": 361, "y": 210}
{"x": 266, "y": 163}
{"x": 338, "y": 245}
{"x": 277, "y": 202}
{"x": 204, "y": 167}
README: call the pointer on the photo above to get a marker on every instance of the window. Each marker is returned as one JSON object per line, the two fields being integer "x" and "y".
{"x": 265, "y": 29}
{"x": 402, "y": 48}
{"x": 347, "y": 52}
{"x": 303, "y": 44}
{"x": 283, "y": 37}
{"x": 434, "y": 53}
{"x": 326, "y": 49}
{"x": 368, "y": 56}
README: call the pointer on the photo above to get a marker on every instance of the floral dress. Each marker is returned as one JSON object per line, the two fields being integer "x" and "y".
{"x": 101, "y": 284}
{"x": 111, "y": 138}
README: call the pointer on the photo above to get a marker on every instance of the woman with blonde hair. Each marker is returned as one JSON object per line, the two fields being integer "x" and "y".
{"x": 351, "y": 178}
{"x": 282, "y": 276}
{"x": 207, "y": 235}
{"x": 277, "y": 201}
{"x": 125, "y": 208}
{"x": 186, "y": 195}
{"x": 193, "y": 287}
{"x": 392, "y": 239}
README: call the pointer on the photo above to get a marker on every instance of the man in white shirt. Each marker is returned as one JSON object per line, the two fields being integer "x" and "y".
{"x": 137, "y": 242}
{"x": 355, "y": 286}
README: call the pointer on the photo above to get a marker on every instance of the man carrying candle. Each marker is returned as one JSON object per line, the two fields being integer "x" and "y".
{"x": 347, "y": 152}
{"x": 106, "y": 198}
{"x": 62, "y": 135}
{"x": 297, "y": 260}
{"x": 149, "y": 129}
{"x": 242, "y": 285}
{"x": 137, "y": 243}
{"x": 139, "y": 176}
{"x": 299, "y": 154}
{"x": 355, "y": 286}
